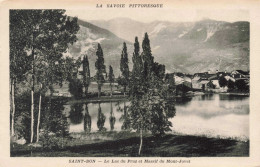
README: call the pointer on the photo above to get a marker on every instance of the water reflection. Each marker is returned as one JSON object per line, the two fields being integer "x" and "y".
{"x": 208, "y": 106}
{"x": 183, "y": 100}
{"x": 112, "y": 118}
{"x": 213, "y": 115}
{"x": 76, "y": 115}
{"x": 206, "y": 97}
{"x": 101, "y": 119}
{"x": 232, "y": 97}
{"x": 87, "y": 120}
{"x": 125, "y": 118}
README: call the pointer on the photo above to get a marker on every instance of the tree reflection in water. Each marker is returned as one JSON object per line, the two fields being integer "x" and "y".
{"x": 87, "y": 120}
{"x": 124, "y": 117}
{"x": 112, "y": 118}
{"x": 101, "y": 119}
{"x": 76, "y": 115}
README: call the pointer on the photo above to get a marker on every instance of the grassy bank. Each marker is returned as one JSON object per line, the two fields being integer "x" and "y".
{"x": 126, "y": 144}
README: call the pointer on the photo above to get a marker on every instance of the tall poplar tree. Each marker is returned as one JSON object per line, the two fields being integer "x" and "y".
{"x": 124, "y": 68}
{"x": 86, "y": 74}
{"x": 101, "y": 68}
{"x": 147, "y": 57}
{"x": 137, "y": 71}
{"x": 111, "y": 78}
{"x": 149, "y": 109}
{"x": 19, "y": 61}
{"x": 137, "y": 60}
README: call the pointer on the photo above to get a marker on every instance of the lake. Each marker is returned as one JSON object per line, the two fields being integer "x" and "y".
{"x": 215, "y": 115}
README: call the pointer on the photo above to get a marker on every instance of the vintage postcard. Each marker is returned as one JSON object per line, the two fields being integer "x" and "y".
{"x": 147, "y": 83}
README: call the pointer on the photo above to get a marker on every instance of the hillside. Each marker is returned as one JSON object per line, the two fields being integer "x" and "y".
{"x": 191, "y": 46}
{"x": 185, "y": 47}
{"x": 89, "y": 36}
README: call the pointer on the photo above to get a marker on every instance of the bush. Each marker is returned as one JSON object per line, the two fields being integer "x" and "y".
{"x": 242, "y": 85}
{"x": 50, "y": 141}
{"x": 222, "y": 81}
{"x": 76, "y": 88}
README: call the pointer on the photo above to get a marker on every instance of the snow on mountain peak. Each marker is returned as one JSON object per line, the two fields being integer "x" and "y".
{"x": 210, "y": 32}
{"x": 157, "y": 29}
{"x": 211, "y": 29}
{"x": 183, "y": 33}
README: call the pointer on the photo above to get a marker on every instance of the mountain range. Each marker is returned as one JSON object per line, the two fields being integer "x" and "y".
{"x": 187, "y": 47}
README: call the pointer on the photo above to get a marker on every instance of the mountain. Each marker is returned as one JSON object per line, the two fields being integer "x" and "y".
{"x": 182, "y": 46}
{"x": 206, "y": 45}
{"x": 89, "y": 36}
{"x": 124, "y": 28}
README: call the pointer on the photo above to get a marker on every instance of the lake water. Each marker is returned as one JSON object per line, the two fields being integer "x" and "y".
{"x": 217, "y": 115}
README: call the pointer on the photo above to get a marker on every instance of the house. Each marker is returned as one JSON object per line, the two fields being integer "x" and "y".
{"x": 182, "y": 82}
{"x": 178, "y": 80}
{"x": 240, "y": 74}
{"x": 200, "y": 80}
{"x": 203, "y": 84}
{"x": 181, "y": 78}
{"x": 208, "y": 80}
{"x": 214, "y": 80}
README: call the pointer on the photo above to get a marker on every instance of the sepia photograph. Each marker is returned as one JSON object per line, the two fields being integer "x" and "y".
{"x": 130, "y": 80}
{"x": 122, "y": 87}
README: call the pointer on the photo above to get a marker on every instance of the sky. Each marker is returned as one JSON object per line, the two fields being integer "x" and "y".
{"x": 149, "y": 15}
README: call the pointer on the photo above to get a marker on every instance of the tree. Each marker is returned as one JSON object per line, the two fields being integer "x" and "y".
{"x": 54, "y": 121}
{"x": 147, "y": 57}
{"x": 70, "y": 68}
{"x": 151, "y": 96}
{"x": 231, "y": 85}
{"x": 19, "y": 61}
{"x": 101, "y": 68}
{"x": 136, "y": 82}
{"x": 170, "y": 81}
{"x": 47, "y": 34}
{"x": 76, "y": 88}
{"x": 124, "y": 68}
{"x": 86, "y": 74}
{"x": 111, "y": 78}
{"x": 222, "y": 81}
{"x": 242, "y": 85}
{"x": 57, "y": 33}
{"x": 137, "y": 61}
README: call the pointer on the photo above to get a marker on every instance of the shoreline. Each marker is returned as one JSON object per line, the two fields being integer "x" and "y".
{"x": 118, "y": 98}
{"x": 102, "y": 99}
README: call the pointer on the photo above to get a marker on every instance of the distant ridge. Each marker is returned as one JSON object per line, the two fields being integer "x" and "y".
{"x": 188, "y": 47}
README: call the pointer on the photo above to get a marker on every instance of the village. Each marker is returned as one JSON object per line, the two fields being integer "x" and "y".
{"x": 236, "y": 82}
